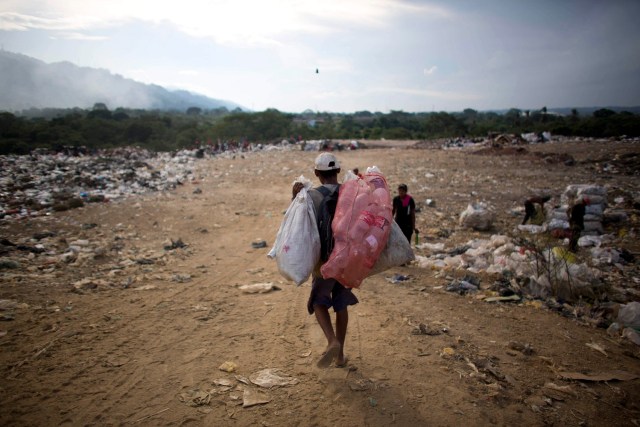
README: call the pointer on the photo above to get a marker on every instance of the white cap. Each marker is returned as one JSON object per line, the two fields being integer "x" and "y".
{"x": 327, "y": 162}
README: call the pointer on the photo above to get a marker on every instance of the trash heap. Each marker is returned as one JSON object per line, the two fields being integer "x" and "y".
{"x": 594, "y": 215}
{"x": 537, "y": 272}
{"x": 38, "y": 183}
{"x": 89, "y": 257}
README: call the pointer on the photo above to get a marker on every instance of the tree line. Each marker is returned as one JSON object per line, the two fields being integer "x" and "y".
{"x": 100, "y": 127}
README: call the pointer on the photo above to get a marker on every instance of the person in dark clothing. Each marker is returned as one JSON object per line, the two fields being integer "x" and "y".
{"x": 404, "y": 211}
{"x": 576, "y": 214}
{"x": 531, "y": 213}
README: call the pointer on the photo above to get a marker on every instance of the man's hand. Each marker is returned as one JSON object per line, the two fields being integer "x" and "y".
{"x": 297, "y": 186}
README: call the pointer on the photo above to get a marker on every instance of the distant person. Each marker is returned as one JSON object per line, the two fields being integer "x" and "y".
{"x": 404, "y": 211}
{"x": 327, "y": 293}
{"x": 576, "y": 214}
{"x": 533, "y": 213}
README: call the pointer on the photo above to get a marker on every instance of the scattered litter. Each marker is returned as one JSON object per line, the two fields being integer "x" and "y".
{"x": 447, "y": 352}
{"x": 424, "y": 329}
{"x": 257, "y": 244}
{"x": 258, "y": 288}
{"x": 181, "y": 278}
{"x": 467, "y": 284}
{"x": 90, "y": 284}
{"x": 597, "y": 348}
{"x": 272, "y": 377}
{"x": 502, "y": 299}
{"x": 243, "y": 380}
{"x": 361, "y": 384}
{"x": 525, "y": 349}
{"x": 563, "y": 389}
{"x": 252, "y": 397}
{"x": 602, "y": 376}
{"x": 398, "y": 278}
{"x": 432, "y": 247}
{"x": 174, "y": 244}
{"x": 223, "y": 382}
{"x": 228, "y": 367}
{"x": 146, "y": 288}
{"x": 195, "y": 398}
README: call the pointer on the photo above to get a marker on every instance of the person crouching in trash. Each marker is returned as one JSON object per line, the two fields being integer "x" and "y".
{"x": 576, "y": 214}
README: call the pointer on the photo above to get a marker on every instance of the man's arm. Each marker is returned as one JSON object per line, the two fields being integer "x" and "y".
{"x": 297, "y": 186}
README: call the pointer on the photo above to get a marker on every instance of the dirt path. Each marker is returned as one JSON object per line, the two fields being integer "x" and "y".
{"x": 143, "y": 340}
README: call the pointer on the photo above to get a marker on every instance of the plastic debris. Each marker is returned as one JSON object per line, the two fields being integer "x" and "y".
{"x": 467, "y": 284}
{"x": 272, "y": 377}
{"x": 228, "y": 367}
{"x": 477, "y": 216}
{"x": 252, "y": 397}
{"x": 397, "y": 278}
{"x": 258, "y": 288}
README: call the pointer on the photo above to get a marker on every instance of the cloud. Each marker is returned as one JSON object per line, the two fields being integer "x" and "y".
{"x": 390, "y": 92}
{"x": 430, "y": 71}
{"x": 10, "y": 21}
{"x": 77, "y": 36}
{"x": 248, "y": 22}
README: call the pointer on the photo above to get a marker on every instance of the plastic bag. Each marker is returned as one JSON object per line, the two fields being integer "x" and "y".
{"x": 477, "y": 216}
{"x": 629, "y": 315}
{"x": 396, "y": 252}
{"x": 297, "y": 244}
{"x": 361, "y": 228}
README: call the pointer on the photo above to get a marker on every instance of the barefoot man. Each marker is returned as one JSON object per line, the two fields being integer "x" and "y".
{"x": 328, "y": 293}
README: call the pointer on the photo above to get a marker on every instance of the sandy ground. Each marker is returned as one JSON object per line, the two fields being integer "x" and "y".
{"x": 138, "y": 334}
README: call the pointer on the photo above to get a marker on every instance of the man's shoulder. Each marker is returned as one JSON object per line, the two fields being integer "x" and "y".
{"x": 325, "y": 189}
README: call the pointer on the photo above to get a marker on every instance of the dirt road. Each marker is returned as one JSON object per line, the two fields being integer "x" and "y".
{"x": 137, "y": 334}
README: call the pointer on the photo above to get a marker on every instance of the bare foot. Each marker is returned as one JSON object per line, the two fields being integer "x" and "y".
{"x": 341, "y": 362}
{"x": 328, "y": 356}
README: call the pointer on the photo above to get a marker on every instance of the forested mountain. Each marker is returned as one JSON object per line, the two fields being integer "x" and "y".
{"x": 27, "y": 83}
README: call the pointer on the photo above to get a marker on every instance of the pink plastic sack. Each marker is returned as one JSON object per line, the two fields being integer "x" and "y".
{"x": 361, "y": 228}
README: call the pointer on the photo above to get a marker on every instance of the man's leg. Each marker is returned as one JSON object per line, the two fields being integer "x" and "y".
{"x": 573, "y": 240}
{"x": 342, "y": 321}
{"x": 333, "y": 344}
{"x": 529, "y": 211}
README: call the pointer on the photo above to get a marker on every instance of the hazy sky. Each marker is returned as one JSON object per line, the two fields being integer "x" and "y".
{"x": 375, "y": 55}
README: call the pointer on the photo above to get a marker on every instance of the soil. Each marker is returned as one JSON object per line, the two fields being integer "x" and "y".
{"x": 133, "y": 333}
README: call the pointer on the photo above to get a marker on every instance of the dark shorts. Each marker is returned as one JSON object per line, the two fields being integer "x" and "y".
{"x": 330, "y": 293}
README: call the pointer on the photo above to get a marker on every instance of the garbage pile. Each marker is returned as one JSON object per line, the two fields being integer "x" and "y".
{"x": 321, "y": 145}
{"x": 594, "y": 211}
{"x": 537, "y": 272}
{"x": 38, "y": 183}
{"x": 89, "y": 258}
{"x": 590, "y": 286}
